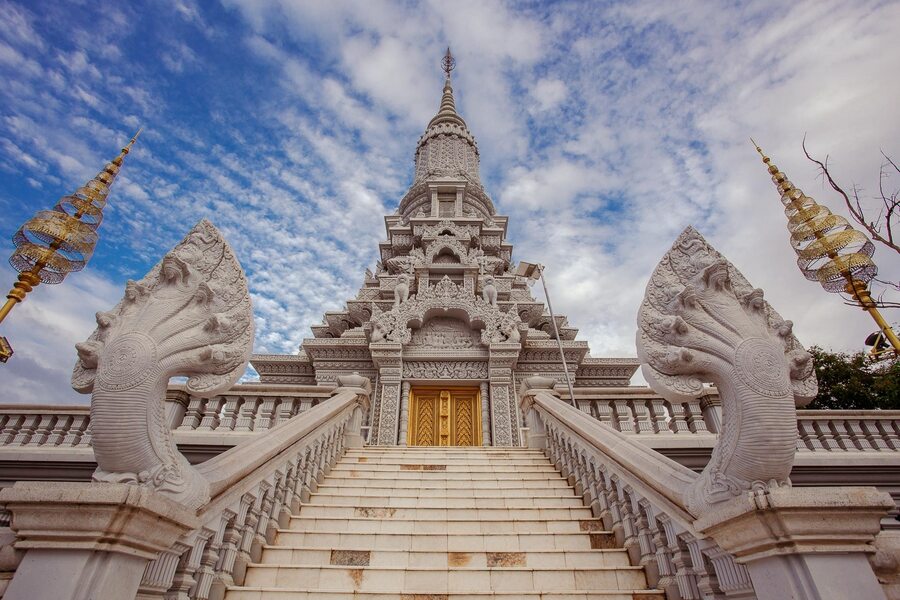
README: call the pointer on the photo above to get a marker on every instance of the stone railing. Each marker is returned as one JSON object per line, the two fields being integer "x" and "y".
{"x": 649, "y": 521}
{"x": 848, "y": 430}
{"x": 254, "y": 502}
{"x": 723, "y": 550}
{"x": 254, "y": 487}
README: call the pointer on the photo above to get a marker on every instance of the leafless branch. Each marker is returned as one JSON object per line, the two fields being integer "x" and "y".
{"x": 890, "y": 209}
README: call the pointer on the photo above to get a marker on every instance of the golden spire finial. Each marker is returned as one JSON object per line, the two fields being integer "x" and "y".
{"x": 53, "y": 243}
{"x": 829, "y": 250}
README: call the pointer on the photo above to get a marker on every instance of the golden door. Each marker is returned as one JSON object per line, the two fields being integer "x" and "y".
{"x": 448, "y": 417}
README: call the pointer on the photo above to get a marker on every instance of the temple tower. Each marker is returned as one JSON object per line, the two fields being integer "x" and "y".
{"x": 443, "y": 327}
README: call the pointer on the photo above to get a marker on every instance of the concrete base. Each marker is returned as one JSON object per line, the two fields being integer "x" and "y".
{"x": 803, "y": 544}
{"x": 88, "y": 540}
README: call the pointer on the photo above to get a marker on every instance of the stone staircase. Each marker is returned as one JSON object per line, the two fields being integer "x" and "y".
{"x": 444, "y": 523}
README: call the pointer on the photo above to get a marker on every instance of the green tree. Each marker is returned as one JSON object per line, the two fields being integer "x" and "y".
{"x": 853, "y": 382}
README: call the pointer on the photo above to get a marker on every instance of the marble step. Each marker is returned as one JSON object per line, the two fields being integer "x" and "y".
{"x": 315, "y": 509}
{"x": 416, "y": 501}
{"x": 443, "y": 580}
{"x": 449, "y": 526}
{"x": 429, "y": 490}
{"x": 408, "y": 479}
{"x": 444, "y": 467}
{"x": 262, "y": 593}
{"x": 547, "y": 559}
{"x": 444, "y": 542}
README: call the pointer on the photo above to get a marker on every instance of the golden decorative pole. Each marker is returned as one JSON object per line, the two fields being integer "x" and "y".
{"x": 829, "y": 250}
{"x": 53, "y": 243}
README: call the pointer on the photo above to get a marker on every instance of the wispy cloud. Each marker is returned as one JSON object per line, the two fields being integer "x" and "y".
{"x": 604, "y": 129}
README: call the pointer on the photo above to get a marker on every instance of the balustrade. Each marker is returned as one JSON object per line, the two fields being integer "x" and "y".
{"x": 656, "y": 531}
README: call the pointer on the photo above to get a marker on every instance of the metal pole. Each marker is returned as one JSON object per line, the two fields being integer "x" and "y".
{"x": 558, "y": 341}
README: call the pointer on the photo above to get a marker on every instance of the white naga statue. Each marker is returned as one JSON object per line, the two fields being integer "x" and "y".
{"x": 401, "y": 290}
{"x": 489, "y": 291}
{"x": 189, "y": 316}
{"x": 701, "y": 321}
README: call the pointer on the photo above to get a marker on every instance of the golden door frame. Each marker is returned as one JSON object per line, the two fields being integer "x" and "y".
{"x": 444, "y": 416}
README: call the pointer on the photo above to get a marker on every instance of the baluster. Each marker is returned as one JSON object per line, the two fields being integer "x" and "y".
{"x": 265, "y": 532}
{"x": 160, "y": 573}
{"x": 645, "y": 540}
{"x": 42, "y": 430}
{"x": 246, "y": 548}
{"x": 186, "y": 572}
{"x": 842, "y": 436}
{"x": 581, "y": 478}
{"x": 642, "y": 416}
{"x": 209, "y": 420}
{"x": 695, "y": 420}
{"x": 874, "y": 434}
{"x": 890, "y": 429}
{"x": 206, "y": 575}
{"x": 265, "y": 415}
{"x": 23, "y": 436}
{"x": 825, "y": 435}
{"x": 11, "y": 428}
{"x": 615, "y": 514}
{"x": 624, "y": 421}
{"x": 858, "y": 436}
{"x": 603, "y": 412}
{"x": 292, "y": 493}
{"x": 678, "y": 422}
{"x": 279, "y": 497}
{"x": 733, "y": 578}
{"x": 247, "y": 415}
{"x": 284, "y": 411}
{"x": 305, "y": 476}
{"x": 684, "y": 574}
{"x": 659, "y": 415}
{"x": 60, "y": 430}
{"x": 629, "y": 524}
{"x": 809, "y": 435}
{"x": 87, "y": 436}
{"x": 707, "y": 581}
{"x": 665, "y": 563}
{"x": 305, "y": 405}
{"x": 228, "y": 554}
{"x": 230, "y": 412}
{"x": 592, "y": 486}
{"x": 75, "y": 431}
{"x": 192, "y": 414}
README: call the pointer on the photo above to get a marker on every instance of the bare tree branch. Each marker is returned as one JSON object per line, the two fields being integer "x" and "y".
{"x": 855, "y": 206}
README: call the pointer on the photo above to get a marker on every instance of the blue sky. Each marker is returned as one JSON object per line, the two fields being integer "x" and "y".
{"x": 604, "y": 129}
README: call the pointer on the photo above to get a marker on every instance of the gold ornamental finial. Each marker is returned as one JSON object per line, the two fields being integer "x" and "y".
{"x": 448, "y": 62}
{"x": 54, "y": 243}
{"x": 829, "y": 250}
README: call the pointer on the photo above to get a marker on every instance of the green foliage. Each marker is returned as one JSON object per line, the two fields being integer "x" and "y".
{"x": 853, "y": 382}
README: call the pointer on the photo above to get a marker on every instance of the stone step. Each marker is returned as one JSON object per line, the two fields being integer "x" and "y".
{"x": 443, "y": 580}
{"x": 412, "y": 457}
{"x": 320, "y": 510}
{"x": 444, "y": 475}
{"x": 446, "y": 449}
{"x": 445, "y": 480}
{"x": 416, "y": 501}
{"x": 369, "y": 467}
{"x": 429, "y": 490}
{"x": 263, "y": 593}
{"x": 448, "y": 526}
{"x": 547, "y": 559}
{"x": 443, "y": 542}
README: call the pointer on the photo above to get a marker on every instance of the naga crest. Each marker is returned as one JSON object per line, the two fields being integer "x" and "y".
{"x": 701, "y": 321}
{"x": 189, "y": 316}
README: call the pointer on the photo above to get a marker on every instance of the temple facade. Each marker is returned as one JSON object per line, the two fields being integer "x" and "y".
{"x": 444, "y": 328}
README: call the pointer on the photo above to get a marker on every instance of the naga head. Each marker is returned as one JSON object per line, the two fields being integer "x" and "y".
{"x": 701, "y": 321}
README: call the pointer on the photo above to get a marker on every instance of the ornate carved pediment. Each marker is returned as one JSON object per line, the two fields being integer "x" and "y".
{"x": 445, "y": 370}
{"x": 445, "y": 333}
{"x": 440, "y": 299}
{"x": 448, "y": 227}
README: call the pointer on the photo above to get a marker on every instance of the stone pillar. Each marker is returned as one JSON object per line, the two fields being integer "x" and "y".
{"x": 404, "y": 413}
{"x": 502, "y": 359}
{"x": 711, "y": 406}
{"x": 803, "y": 543}
{"x": 387, "y": 357}
{"x": 89, "y": 540}
{"x": 485, "y": 415}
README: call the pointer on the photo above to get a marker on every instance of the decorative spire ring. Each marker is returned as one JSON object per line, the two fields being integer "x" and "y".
{"x": 829, "y": 250}
{"x": 448, "y": 62}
